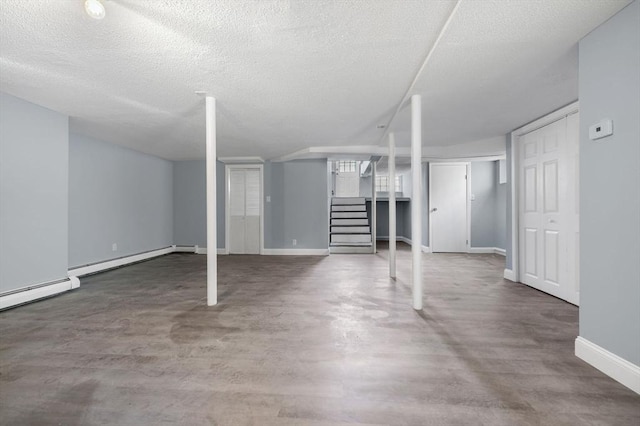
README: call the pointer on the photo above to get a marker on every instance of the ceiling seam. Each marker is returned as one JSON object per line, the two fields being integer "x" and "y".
{"x": 420, "y": 70}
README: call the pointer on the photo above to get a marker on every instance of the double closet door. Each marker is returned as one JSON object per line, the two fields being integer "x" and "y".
{"x": 549, "y": 235}
{"x": 244, "y": 210}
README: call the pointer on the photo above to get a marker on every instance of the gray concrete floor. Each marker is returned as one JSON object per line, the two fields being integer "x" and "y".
{"x": 302, "y": 341}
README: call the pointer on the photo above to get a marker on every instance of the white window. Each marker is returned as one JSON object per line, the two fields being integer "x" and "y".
{"x": 382, "y": 183}
{"x": 347, "y": 166}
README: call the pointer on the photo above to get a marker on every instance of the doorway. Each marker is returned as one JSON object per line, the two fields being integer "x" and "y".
{"x": 448, "y": 207}
{"x": 244, "y": 209}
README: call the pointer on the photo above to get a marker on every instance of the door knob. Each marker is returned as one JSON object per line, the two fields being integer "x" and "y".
{"x": 435, "y": 209}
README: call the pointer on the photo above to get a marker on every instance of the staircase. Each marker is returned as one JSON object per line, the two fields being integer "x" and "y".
{"x": 350, "y": 230}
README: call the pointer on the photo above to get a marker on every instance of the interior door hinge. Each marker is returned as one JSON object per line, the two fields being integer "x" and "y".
{"x": 465, "y": 177}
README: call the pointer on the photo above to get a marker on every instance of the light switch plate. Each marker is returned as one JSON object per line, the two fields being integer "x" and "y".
{"x": 600, "y": 130}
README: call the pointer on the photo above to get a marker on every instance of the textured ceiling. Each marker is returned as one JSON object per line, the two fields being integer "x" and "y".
{"x": 292, "y": 74}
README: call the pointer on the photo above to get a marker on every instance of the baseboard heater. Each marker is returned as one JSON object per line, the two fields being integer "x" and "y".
{"x": 94, "y": 268}
{"x": 13, "y": 298}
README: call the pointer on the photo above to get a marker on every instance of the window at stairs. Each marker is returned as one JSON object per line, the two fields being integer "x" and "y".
{"x": 382, "y": 183}
{"x": 347, "y": 166}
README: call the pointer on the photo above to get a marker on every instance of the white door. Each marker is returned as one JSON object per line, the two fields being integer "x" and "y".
{"x": 347, "y": 179}
{"x": 244, "y": 211}
{"x": 548, "y": 209}
{"x": 448, "y": 207}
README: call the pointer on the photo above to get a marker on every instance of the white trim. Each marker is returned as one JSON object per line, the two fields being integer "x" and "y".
{"x": 509, "y": 275}
{"x": 481, "y": 150}
{"x": 40, "y": 292}
{"x": 110, "y": 264}
{"x": 552, "y": 117}
{"x": 481, "y": 250}
{"x": 227, "y": 187}
{"x": 425, "y": 249}
{"x": 404, "y": 240}
{"x": 609, "y": 363}
{"x": 296, "y": 252}
{"x": 495, "y": 157}
{"x": 197, "y": 250}
{"x": 241, "y": 160}
{"x": 487, "y": 250}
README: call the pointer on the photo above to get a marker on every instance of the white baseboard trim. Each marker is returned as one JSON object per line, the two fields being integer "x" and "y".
{"x": 609, "y": 363}
{"x": 184, "y": 249}
{"x": 510, "y": 275}
{"x": 110, "y": 264}
{"x": 203, "y": 250}
{"x": 480, "y": 250}
{"x": 296, "y": 252}
{"x": 197, "y": 250}
{"x": 487, "y": 250}
{"x": 30, "y": 294}
{"x": 405, "y": 240}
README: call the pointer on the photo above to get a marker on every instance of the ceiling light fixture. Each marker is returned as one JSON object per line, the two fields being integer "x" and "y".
{"x": 94, "y": 8}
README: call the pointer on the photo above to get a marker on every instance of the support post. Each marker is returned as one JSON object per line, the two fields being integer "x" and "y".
{"x": 374, "y": 208}
{"x": 392, "y": 205}
{"x": 416, "y": 199}
{"x": 212, "y": 243}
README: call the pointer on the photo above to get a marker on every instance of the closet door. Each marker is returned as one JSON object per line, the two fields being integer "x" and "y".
{"x": 244, "y": 211}
{"x": 237, "y": 211}
{"x": 548, "y": 209}
{"x": 252, "y": 212}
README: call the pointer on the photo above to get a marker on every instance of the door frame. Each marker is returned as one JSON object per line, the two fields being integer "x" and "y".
{"x": 468, "y": 196}
{"x": 559, "y": 114}
{"x": 227, "y": 202}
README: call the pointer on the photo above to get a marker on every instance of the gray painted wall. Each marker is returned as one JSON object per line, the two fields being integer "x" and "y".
{"x": 609, "y": 186}
{"x": 190, "y": 203}
{"x": 484, "y": 208}
{"x": 298, "y": 208}
{"x": 119, "y": 196}
{"x": 34, "y": 144}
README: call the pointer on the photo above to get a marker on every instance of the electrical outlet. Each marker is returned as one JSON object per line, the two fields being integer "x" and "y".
{"x": 114, "y": 247}
{"x": 294, "y": 242}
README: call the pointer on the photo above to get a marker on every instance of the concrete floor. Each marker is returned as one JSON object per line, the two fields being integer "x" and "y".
{"x": 302, "y": 341}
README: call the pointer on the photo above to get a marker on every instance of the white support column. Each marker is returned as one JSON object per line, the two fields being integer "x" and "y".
{"x": 392, "y": 205}
{"x": 212, "y": 243}
{"x": 416, "y": 198}
{"x": 374, "y": 208}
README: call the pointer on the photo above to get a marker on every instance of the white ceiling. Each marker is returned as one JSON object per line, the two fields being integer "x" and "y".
{"x": 293, "y": 74}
